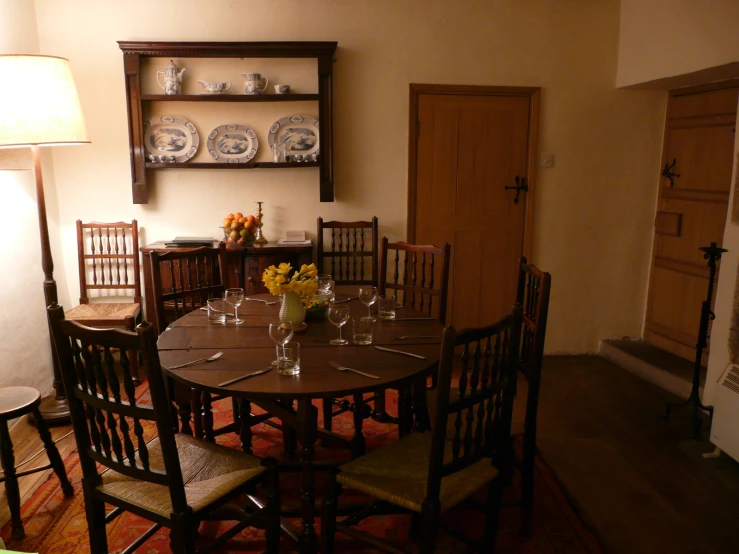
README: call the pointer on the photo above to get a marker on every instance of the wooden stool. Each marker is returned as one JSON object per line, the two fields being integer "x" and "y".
{"x": 16, "y": 402}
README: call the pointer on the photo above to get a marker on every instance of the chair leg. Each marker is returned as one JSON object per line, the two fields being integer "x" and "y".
{"x": 492, "y": 513}
{"x": 207, "y": 421}
{"x": 429, "y": 524}
{"x": 11, "y": 481}
{"x": 272, "y": 523}
{"x": 51, "y": 451}
{"x": 245, "y": 432}
{"x": 95, "y": 513}
{"x": 527, "y": 490}
{"x": 289, "y": 436}
{"x": 328, "y": 513}
{"x": 196, "y": 405}
{"x": 183, "y": 535}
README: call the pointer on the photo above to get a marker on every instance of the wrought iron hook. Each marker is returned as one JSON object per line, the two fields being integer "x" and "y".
{"x": 667, "y": 172}
{"x": 521, "y": 185}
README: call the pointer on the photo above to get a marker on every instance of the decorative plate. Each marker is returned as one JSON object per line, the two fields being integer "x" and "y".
{"x": 232, "y": 144}
{"x": 174, "y": 136}
{"x": 298, "y": 132}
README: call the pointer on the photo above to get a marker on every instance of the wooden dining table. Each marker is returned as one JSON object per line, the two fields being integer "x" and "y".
{"x": 248, "y": 348}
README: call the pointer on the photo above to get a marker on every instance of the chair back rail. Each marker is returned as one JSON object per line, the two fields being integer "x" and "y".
{"x": 533, "y": 291}
{"x": 183, "y": 280}
{"x": 106, "y": 416}
{"x": 350, "y": 254}
{"x": 483, "y": 407}
{"x": 108, "y": 258}
{"x": 418, "y": 275}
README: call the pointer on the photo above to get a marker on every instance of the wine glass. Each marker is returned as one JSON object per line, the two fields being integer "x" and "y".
{"x": 281, "y": 332}
{"x": 338, "y": 314}
{"x": 235, "y": 297}
{"x": 368, "y": 296}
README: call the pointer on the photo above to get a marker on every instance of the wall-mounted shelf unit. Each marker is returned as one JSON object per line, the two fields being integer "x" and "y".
{"x": 136, "y": 54}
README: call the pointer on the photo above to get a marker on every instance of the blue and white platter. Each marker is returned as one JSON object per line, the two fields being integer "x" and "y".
{"x": 298, "y": 132}
{"x": 171, "y": 135}
{"x": 232, "y": 143}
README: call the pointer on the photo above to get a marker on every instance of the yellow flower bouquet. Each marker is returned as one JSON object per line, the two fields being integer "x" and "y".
{"x": 279, "y": 280}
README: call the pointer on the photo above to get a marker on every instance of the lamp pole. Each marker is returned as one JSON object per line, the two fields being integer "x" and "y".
{"x": 54, "y": 409}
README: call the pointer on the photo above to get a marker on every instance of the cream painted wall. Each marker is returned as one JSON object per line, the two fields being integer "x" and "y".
{"x": 664, "y": 38}
{"x": 25, "y": 354}
{"x": 594, "y": 209}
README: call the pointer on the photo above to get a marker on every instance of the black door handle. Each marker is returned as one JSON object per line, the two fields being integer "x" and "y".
{"x": 521, "y": 185}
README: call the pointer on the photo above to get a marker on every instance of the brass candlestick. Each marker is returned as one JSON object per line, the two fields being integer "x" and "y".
{"x": 259, "y": 238}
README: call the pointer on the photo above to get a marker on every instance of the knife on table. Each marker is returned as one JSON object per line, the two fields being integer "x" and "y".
{"x": 252, "y": 374}
{"x": 401, "y": 352}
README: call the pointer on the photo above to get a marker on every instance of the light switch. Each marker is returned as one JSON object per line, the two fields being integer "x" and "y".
{"x": 546, "y": 160}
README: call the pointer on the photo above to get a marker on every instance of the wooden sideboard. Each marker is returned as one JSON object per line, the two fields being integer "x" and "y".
{"x": 245, "y": 266}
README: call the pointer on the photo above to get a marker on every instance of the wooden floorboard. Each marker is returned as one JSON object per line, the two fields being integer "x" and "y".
{"x": 639, "y": 480}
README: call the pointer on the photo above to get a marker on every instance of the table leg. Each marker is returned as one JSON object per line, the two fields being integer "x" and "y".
{"x": 421, "y": 420}
{"x": 307, "y": 428}
{"x": 358, "y": 444}
{"x": 288, "y": 433}
{"x": 207, "y": 419}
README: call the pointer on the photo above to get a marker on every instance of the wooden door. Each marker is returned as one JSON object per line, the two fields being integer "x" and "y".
{"x": 472, "y": 142}
{"x": 691, "y": 211}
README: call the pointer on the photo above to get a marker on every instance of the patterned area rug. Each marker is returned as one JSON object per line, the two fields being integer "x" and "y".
{"x": 55, "y": 524}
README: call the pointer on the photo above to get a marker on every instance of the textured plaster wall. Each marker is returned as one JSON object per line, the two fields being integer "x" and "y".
{"x": 665, "y": 38}
{"x": 594, "y": 208}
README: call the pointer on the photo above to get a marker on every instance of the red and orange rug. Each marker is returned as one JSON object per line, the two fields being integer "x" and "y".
{"x": 55, "y": 524}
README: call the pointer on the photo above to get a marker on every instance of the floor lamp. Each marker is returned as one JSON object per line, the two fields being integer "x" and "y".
{"x": 39, "y": 106}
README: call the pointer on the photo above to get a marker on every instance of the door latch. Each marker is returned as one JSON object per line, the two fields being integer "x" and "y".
{"x": 521, "y": 185}
{"x": 671, "y": 175}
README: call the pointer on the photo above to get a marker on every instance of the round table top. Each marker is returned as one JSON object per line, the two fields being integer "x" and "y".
{"x": 16, "y": 401}
{"x": 248, "y": 347}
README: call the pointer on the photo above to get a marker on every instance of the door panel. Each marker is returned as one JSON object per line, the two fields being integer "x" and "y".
{"x": 699, "y": 136}
{"x": 469, "y": 148}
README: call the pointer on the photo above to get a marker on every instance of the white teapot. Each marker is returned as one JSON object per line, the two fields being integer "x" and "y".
{"x": 172, "y": 78}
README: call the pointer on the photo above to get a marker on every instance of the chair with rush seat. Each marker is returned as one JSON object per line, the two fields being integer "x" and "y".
{"x": 428, "y": 473}
{"x": 108, "y": 260}
{"x": 171, "y": 479}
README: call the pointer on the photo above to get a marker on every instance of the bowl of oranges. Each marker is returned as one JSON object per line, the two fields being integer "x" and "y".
{"x": 239, "y": 229}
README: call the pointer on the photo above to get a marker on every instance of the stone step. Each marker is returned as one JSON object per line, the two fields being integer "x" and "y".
{"x": 663, "y": 369}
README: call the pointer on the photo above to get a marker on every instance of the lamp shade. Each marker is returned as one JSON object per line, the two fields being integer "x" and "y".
{"x": 39, "y": 103}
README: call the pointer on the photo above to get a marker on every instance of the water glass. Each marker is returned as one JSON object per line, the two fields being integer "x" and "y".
{"x": 289, "y": 361}
{"x": 362, "y": 330}
{"x": 386, "y": 307}
{"x": 217, "y": 310}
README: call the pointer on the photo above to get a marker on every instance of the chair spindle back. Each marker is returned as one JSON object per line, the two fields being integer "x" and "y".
{"x": 108, "y": 420}
{"x": 350, "y": 254}
{"x": 483, "y": 408}
{"x": 183, "y": 280}
{"x": 418, "y": 275}
{"x": 108, "y": 258}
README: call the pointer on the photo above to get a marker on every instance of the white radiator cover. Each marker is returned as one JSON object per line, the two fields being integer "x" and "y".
{"x": 725, "y": 427}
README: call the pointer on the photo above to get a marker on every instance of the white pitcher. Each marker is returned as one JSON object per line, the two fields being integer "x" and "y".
{"x": 253, "y": 84}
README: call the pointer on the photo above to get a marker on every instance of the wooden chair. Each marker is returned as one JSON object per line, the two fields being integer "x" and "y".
{"x": 346, "y": 255}
{"x": 108, "y": 260}
{"x": 532, "y": 294}
{"x": 418, "y": 277}
{"x": 425, "y": 473}
{"x": 172, "y": 479}
{"x": 183, "y": 280}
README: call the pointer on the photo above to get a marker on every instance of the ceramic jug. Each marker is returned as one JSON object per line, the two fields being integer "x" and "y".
{"x": 253, "y": 84}
{"x": 172, "y": 78}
